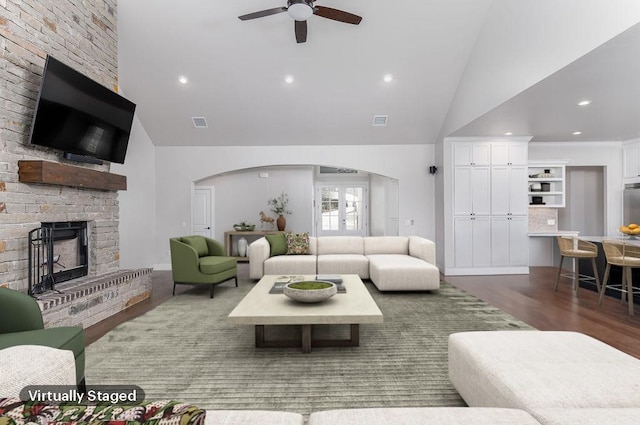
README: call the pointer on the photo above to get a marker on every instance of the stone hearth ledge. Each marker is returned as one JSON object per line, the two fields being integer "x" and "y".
{"x": 88, "y": 300}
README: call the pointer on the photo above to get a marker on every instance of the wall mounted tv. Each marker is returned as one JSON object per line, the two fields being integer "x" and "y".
{"x": 80, "y": 117}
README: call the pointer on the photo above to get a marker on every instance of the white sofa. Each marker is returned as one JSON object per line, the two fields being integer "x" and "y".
{"x": 393, "y": 263}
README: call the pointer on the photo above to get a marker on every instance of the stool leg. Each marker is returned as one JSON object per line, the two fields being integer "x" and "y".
{"x": 576, "y": 275}
{"x": 595, "y": 273}
{"x": 629, "y": 290}
{"x": 559, "y": 271}
{"x": 604, "y": 282}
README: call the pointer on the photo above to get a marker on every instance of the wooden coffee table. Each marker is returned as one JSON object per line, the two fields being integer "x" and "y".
{"x": 260, "y": 308}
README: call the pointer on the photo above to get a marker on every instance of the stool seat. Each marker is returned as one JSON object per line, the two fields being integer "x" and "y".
{"x": 627, "y": 256}
{"x": 572, "y": 247}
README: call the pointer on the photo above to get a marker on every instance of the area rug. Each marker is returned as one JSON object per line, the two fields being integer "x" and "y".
{"x": 185, "y": 350}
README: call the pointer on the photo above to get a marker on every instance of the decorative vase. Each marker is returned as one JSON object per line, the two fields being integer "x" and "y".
{"x": 242, "y": 247}
{"x": 281, "y": 222}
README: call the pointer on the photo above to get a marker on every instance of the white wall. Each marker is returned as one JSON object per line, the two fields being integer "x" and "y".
{"x": 177, "y": 169}
{"x": 522, "y": 42}
{"x": 241, "y": 195}
{"x": 137, "y": 225}
{"x": 605, "y": 154}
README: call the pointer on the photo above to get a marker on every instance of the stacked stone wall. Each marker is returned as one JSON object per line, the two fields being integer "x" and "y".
{"x": 82, "y": 34}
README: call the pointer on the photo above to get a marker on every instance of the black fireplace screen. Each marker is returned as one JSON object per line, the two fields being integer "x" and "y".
{"x": 57, "y": 252}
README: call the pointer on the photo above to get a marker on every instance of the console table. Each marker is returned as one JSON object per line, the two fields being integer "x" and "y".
{"x": 249, "y": 235}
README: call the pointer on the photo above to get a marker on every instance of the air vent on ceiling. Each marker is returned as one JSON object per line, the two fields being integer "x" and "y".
{"x": 199, "y": 122}
{"x": 380, "y": 120}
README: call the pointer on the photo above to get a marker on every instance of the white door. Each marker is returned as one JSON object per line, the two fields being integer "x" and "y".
{"x": 342, "y": 209}
{"x": 202, "y": 216}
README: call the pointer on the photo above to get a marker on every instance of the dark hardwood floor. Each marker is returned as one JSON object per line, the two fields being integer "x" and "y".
{"x": 530, "y": 298}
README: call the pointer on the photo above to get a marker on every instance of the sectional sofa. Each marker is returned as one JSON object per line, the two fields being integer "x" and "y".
{"x": 393, "y": 263}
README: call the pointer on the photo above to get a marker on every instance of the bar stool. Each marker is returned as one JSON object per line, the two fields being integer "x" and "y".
{"x": 575, "y": 248}
{"x": 627, "y": 256}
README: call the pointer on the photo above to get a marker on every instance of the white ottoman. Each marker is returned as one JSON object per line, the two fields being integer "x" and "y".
{"x": 588, "y": 416}
{"x": 252, "y": 417}
{"x": 422, "y": 416}
{"x": 24, "y": 365}
{"x": 540, "y": 369}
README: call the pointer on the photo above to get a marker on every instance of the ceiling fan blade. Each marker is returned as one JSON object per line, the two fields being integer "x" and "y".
{"x": 262, "y": 13}
{"x": 337, "y": 15}
{"x": 301, "y": 31}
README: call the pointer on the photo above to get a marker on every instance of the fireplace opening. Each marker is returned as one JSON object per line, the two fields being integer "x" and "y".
{"x": 58, "y": 252}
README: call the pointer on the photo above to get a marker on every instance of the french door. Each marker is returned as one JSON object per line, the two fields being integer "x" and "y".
{"x": 341, "y": 209}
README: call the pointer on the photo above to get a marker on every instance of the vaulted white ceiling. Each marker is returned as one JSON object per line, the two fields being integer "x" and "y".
{"x": 236, "y": 71}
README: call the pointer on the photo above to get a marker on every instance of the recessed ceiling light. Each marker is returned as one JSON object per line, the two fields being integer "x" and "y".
{"x": 289, "y": 79}
{"x": 387, "y": 78}
{"x": 183, "y": 79}
{"x": 508, "y": 133}
{"x": 584, "y": 102}
{"x": 577, "y": 133}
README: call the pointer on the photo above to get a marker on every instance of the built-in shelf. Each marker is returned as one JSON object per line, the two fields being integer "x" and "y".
{"x": 551, "y": 176}
{"x": 53, "y": 173}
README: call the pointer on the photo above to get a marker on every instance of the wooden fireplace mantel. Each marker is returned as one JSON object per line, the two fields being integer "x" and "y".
{"x": 54, "y": 173}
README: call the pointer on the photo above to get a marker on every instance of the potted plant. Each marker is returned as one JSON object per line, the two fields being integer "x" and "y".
{"x": 279, "y": 206}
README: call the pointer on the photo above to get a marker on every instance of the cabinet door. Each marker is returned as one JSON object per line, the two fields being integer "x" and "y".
{"x": 519, "y": 241}
{"x": 481, "y": 241}
{"x": 471, "y": 153}
{"x": 471, "y": 191}
{"x": 518, "y": 154}
{"x": 509, "y": 190}
{"x": 472, "y": 238}
{"x": 500, "y": 241}
{"x": 631, "y": 161}
{"x": 518, "y": 199}
{"x": 509, "y": 153}
{"x": 509, "y": 241}
{"x": 462, "y": 248}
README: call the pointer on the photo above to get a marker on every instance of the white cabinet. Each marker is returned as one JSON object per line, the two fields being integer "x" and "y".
{"x": 546, "y": 185}
{"x": 471, "y": 238}
{"x": 509, "y": 153}
{"x": 631, "y": 154}
{"x": 472, "y": 194}
{"x": 472, "y": 153}
{"x": 508, "y": 190}
{"x": 509, "y": 241}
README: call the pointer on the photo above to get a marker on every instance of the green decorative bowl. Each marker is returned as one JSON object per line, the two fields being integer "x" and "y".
{"x": 310, "y": 291}
{"x": 244, "y": 227}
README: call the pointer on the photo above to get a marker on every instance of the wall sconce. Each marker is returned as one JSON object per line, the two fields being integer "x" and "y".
{"x": 433, "y": 170}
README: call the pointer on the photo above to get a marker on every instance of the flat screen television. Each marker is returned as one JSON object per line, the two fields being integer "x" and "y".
{"x": 80, "y": 117}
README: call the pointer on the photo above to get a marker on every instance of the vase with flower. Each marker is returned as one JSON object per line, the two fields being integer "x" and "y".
{"x": 278, "y": 206}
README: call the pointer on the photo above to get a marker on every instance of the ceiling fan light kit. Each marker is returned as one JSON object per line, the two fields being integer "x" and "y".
{"x": 300, "y": 11}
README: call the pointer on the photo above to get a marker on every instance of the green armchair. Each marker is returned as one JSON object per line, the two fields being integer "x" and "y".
{"x": 21, "y": 324}
{"x": 197, "y": 260}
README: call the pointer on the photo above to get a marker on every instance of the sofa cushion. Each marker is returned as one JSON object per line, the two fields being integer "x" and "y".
{"x": 198, "y": 243}
{"x": 588, "y": 416}
{"x": 214, "y": 265}
{"x": 297, "y": 243}
{"x": 541, "y": 369}
{"x": 386, "y": 245}
{"x": 278, "y": 244}
{"x": 344, "y": 264}
{"x": 340, "y": 245}
{"x": 394, "y": 272}
{"x": 422, "y": 415}
{"x": 290, "y": 265}
{"x": 252, "y": 417}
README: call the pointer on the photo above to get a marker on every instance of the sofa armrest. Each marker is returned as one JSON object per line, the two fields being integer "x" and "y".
{"x": 422, "y": 248}
{"x": 259, "y": 252}
{"x": 184, "y": 260}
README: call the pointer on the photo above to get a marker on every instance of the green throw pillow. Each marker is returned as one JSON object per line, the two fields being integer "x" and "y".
{"x": 198, "y": 243}
{"x": 278, "y": 244}
{"x": 297, "y": 243}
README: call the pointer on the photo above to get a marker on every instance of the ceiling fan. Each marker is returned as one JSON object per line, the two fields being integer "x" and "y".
{"x": 300, "y": 11}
